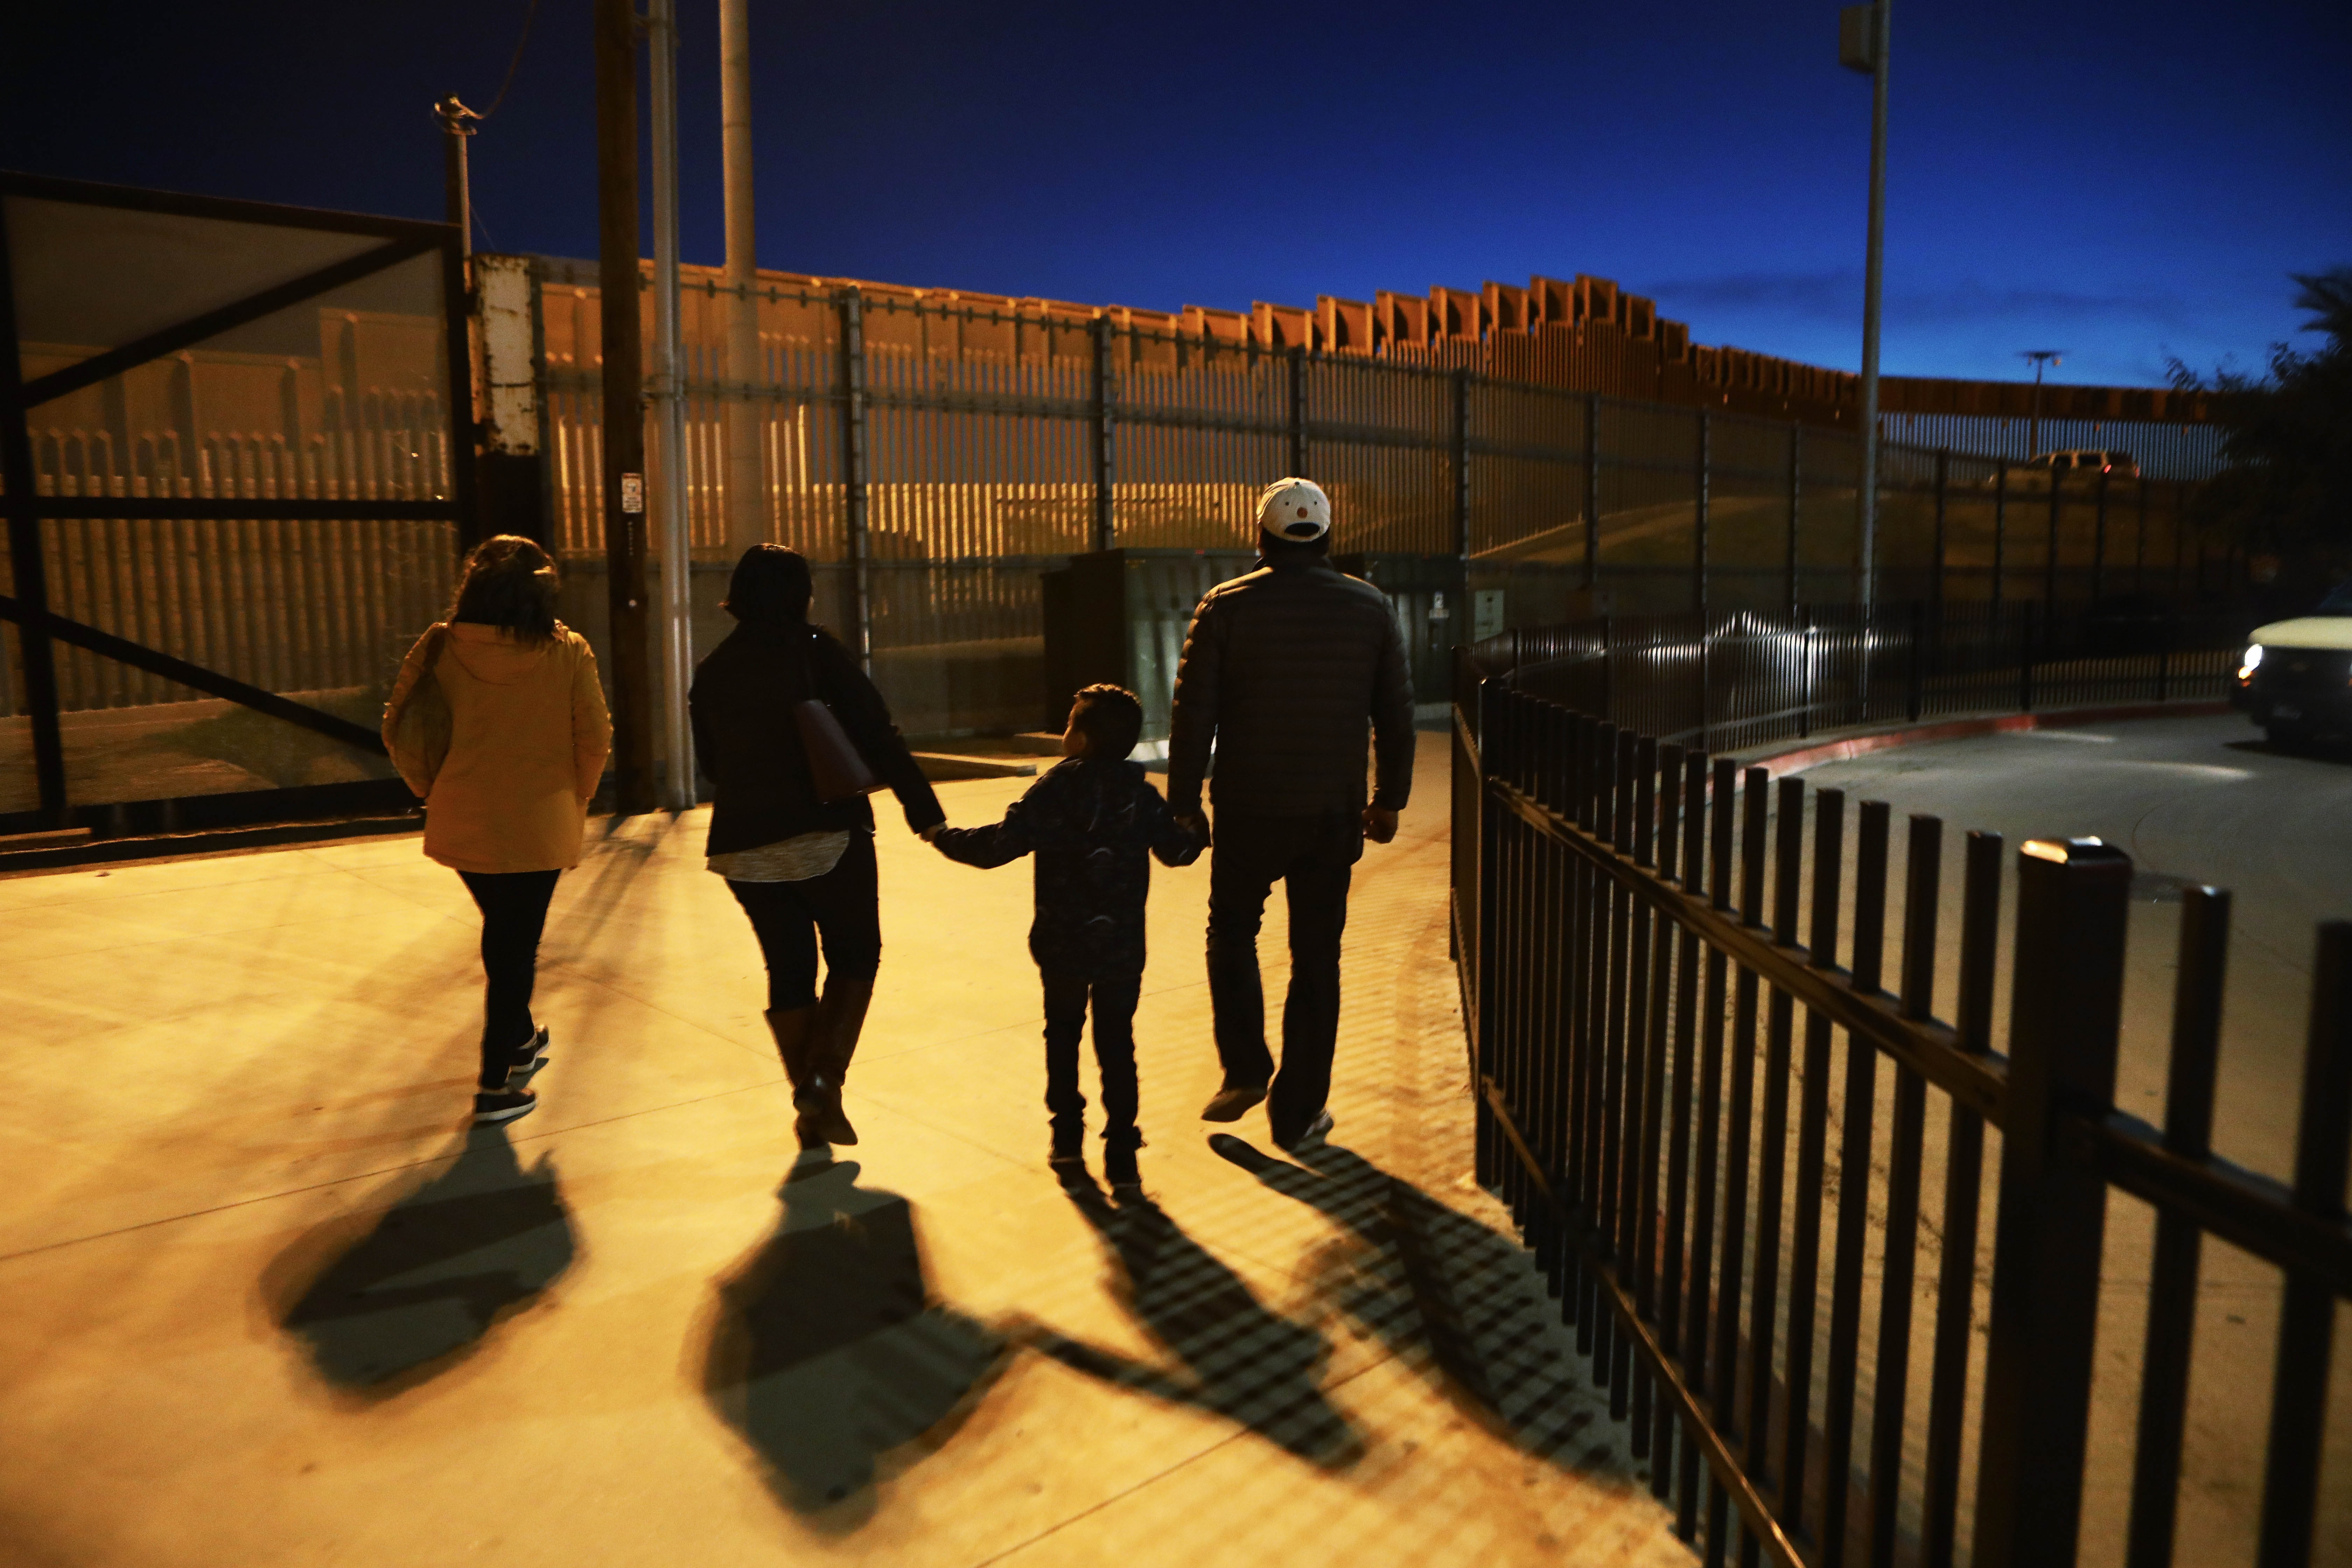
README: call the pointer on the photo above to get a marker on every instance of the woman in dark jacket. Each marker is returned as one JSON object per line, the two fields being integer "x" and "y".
{"x": 801, "y": 868}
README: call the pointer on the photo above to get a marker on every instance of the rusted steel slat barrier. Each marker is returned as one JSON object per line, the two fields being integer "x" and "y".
{"x": 1662, "y": 1129}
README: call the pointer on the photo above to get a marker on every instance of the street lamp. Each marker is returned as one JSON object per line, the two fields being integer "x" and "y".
{"x": 1862, "y": 46}
{"x": 2040, "y": 357}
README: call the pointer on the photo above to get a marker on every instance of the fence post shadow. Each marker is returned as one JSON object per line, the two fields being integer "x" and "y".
{"x": 1463, "y": 1301}
{"x": 1236, "y": 1356}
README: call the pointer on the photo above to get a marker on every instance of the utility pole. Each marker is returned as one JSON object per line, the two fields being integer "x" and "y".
{"x": 458, "y": 123}
{"x": 457, "y": 193}
{"x": 624, "y": 423}
{"x": 2040, "y": 357}
{"x": 747, "y": 496}
{"x": 669, "y": 405}
{"x": 1861, "y": 45}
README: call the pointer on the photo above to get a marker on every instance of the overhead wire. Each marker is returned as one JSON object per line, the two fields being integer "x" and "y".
{"x": 529, "y": 15}
{"x": 505, "y": 83}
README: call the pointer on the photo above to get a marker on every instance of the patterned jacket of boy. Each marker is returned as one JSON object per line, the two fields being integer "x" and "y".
{"x": 1093, "y": 826}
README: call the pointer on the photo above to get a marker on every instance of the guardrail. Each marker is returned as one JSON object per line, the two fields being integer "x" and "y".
{"x": 1746, "y": 677}
{"x": 1637, "y": 929}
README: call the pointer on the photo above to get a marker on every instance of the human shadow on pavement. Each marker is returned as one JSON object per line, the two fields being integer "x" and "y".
{"x": 1236, "y": 1358}
{"x": 1452, "y": 1297}
{"x": 380, "y": 1307}
{"x": 828, "y": 1356}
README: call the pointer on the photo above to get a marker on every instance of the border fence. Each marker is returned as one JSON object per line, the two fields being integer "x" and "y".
{"x": 906, "y": 443}
{"x": 984, "y": 430}
{"x": 1639, "y": 928}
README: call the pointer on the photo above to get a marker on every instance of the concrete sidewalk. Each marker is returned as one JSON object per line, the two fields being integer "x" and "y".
{"x": 264, "y": 1300}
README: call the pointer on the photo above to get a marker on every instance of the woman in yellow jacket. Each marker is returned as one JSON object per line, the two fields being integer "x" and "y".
{"x": 506, "y": 804}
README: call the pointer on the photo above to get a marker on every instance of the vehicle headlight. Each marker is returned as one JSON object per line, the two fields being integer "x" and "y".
{"x": 2253, "y": 659}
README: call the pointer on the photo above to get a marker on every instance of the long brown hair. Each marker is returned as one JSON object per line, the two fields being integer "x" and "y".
{"x": 508, "y": 582}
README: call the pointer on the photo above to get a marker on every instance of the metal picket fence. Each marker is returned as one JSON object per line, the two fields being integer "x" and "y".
{"x": 1638, "y": 927}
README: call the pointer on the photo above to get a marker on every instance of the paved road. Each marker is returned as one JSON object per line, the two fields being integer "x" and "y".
{"x": 2193, "y": 800}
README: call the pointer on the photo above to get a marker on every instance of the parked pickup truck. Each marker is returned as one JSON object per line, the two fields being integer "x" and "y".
{"x": 2076, "y": 468}
{"x": 2295, "y": 680}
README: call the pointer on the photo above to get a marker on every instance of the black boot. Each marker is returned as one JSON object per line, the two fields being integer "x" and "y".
{"x": 1069, "y": 1142}
{"x": 833, "y": 1040}
{"x": 792, "y": 1028}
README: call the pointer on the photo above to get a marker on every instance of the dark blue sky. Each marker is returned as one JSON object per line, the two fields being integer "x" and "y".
{"x": 2118, "y": 180}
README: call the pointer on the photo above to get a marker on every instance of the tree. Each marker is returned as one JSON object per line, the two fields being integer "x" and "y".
{"x": 2285, "y": 488}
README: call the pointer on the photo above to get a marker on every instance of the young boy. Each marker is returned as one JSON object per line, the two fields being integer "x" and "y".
{"x": 1090, "y": 819}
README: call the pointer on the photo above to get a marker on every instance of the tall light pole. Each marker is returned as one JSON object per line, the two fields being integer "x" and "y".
{"x": 1861, "y": 45}
{"x": 2040, "y": 357}
{"x": 747, "y": 496}
{"x": 669, "y": 407}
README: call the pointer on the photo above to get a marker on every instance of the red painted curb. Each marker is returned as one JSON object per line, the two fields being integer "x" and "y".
{"x": 1809, "y": 755}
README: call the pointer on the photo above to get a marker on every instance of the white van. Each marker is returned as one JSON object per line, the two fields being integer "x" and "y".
{"x": 2296, "y": 680}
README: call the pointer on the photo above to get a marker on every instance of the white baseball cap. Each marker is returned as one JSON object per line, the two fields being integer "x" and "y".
{"x": 1296, "y": 509}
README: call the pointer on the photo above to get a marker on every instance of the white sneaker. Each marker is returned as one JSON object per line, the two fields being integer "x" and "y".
{"x": 1316, "y": 1130}
{"x": 495, "y": 1105}
{"x": 529, "y": 1059}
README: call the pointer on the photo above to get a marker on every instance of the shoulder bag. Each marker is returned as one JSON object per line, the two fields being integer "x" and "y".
{"x": 419, "y": 726}
{"x": 834, "y": 764}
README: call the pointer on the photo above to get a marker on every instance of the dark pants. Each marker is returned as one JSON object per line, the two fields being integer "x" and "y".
{"x": 514, "y": 911}
{"x": 1313, "y": 857}
{"x": 841, "y": 907}
{"x": 1114, "y": 998}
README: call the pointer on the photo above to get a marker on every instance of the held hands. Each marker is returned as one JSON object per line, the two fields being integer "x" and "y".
{"x": 928, "y": 834}
{"x": 1196, "y": 823}
{"x": 1379, "y": 824}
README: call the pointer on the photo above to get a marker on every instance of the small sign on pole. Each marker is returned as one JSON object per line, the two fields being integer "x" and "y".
{"x": 1486, "y": 614}
{"x": 633, "y": 492}
{"x": 1855, "y": 52}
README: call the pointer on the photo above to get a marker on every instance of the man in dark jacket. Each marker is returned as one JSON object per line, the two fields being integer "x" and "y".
{"x": 1283, "y": 670}
{"x": 1091, "y": 821}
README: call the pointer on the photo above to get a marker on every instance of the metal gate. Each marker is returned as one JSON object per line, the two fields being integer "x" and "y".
{"x": 235, "y": 458}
